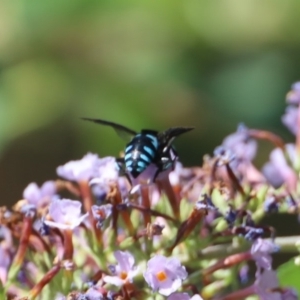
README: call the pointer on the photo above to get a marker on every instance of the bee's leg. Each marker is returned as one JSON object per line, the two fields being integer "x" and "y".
{"x": 128, "y": 178}
{"x": 164, "y": 164}
{"x": 122, "y": 169}
{"x": 121, "y": 166}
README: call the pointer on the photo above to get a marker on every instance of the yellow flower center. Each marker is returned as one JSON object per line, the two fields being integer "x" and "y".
{"x": 123, "y": 275}
{"x": 161, "y": 276}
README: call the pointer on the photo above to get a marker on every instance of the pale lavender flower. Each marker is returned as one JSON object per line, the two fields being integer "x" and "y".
{"x": 293, "y": 96}
{"x": 244, "y": 274}
{"x": 6, "y": 237}
{"x": 65, "y": 213}
{"x": 122, "y": 272}
{"x": 224, "y": 156}
{"x": 83, "y": 169}
{"x": 93, "y": 294}
{"x": 290, "y": 119}
{"x": 6, "y": 247}
{"x": 101, "y": 213}
{"x": 289, "y": 294}
{"x": 179, "y": 296}
{"x": 164, "y": 274}
{"x": 107, "y": 175}
{"x": 5, "y": 260}
{"x": 264, "y": 283}
{"x": 174, "y": 176}
{"x": 277, "y": 171}
{"x": 60, "y": 296}
{"x": 196, "y": 297}
{"x": 238, "y": 151}
{"x": 124, "y": 186}
{"x": 107, "y": 171}
{"x": 183, "y": 296}
{"x": 261, "y": 251}
{"x": 179, "y": 173}
{"x": 155, "y": 195}
{"x": 240, "y": 144}
{"x": 38, "y": 197}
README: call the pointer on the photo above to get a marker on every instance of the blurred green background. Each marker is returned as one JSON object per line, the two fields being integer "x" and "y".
{"x": 144, "y": 64}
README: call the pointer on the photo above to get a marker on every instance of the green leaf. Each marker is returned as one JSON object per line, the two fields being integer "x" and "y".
{"x": 289, "y": 274}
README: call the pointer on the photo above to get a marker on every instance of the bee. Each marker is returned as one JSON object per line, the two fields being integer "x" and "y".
{"x": 145, "y": 148}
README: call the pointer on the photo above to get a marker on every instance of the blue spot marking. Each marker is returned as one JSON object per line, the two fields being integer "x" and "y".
{"x": 128, "y": 148}
{"x": 129, "y": 163}
{"x": 129, "y": 169}
{"x": 145, "y": 157}
{"x": 148, "y": 150}
{"x": 153, "y": 139}
{"x": 141, "y": 164}
{"x": 127, "y": 156}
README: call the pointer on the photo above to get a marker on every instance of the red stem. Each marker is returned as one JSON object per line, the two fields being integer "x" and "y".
{"x": 86, "y": 195}
{"x": 174, "y": 200}
{"x": 68, "y": 244}
{"x": 267, "y": 135}
{"x": 35, "y": 291}
{"x": 146, "y": 204}
{"x": 24, "y": 241}
{"x": 124, "y": 214}
{"x": 88, "y": 202}
{"x": 228, "y": 262}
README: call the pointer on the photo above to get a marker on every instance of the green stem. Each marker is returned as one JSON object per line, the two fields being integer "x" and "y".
{"x": 2, "y": 291}
{"x": 287, "y": 245}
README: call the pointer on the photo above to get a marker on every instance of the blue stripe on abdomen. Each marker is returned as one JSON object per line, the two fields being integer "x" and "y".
{"x": 145, "y": 158}
{"x": 141, "y": 164}
{"x": 153, "y": 139}
{"x": 149, "y": 151}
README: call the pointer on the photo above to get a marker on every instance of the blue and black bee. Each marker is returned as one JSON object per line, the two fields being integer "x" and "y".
{"x": 145, "y": 148}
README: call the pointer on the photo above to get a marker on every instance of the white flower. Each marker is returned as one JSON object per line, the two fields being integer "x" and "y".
{"x": 39, "y": 196}
{"x": 65, "y": 213}
{"x": 78, "y": 170}
{"x": 183, "y": 296}
{"x": 164, "y": 274}
{"x": 124, "y": 271}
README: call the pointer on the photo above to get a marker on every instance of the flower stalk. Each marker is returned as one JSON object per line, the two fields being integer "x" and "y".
{"x": 36, "y": 290}
{"x": 21, "y": 252}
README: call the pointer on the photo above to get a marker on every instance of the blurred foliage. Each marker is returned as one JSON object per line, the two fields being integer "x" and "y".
{"x": 144, "y": 64}
{"x": 288, "y": 274}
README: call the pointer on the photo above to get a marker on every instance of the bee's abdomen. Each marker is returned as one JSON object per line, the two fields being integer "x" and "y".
{"x": 140, "y": 153}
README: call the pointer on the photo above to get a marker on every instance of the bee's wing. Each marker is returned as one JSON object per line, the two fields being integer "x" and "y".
{"x": 125, "y": 133}
{"x": 167, "y": 137}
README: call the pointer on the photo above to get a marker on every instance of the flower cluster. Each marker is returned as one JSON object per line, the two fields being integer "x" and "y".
{"x": 190, "y": 234}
